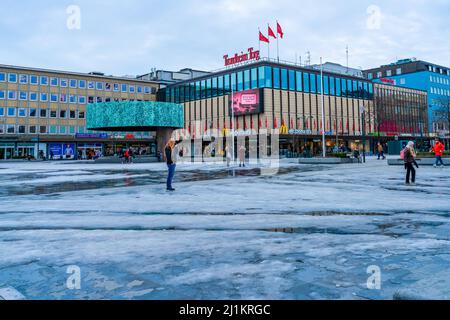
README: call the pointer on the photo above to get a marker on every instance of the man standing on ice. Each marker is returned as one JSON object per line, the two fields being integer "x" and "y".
{"x": 171, "y": 166}
{"x": 439, "y": 152}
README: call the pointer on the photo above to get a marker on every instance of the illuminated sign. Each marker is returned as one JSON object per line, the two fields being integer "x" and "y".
{"x": 238, "y": 58}
{"x": 390, "y": 81}
{"x": 246, "y": 102}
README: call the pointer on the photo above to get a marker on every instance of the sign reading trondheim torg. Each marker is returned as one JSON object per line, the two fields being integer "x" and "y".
{"x": 238, "y": 58}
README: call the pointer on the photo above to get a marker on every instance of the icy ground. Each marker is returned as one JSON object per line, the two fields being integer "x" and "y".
{"x": 309, "y": 232}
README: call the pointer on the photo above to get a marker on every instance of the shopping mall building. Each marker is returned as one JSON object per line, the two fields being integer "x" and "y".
{"x": 45, "y": 110}
{"x": 272, "y": 95}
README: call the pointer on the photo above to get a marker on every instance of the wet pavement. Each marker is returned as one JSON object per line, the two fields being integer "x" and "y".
{"x": 306, "y": 233}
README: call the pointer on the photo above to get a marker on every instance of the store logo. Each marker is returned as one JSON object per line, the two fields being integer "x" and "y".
{"x": 238, "y": 58}
{"x": 389, "y": 81}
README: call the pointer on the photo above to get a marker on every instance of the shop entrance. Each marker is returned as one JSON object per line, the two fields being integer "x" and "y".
{"x": 6, "y": 152}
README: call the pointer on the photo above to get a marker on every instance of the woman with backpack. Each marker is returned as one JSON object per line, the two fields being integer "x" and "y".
{"x": 409, "y": 157}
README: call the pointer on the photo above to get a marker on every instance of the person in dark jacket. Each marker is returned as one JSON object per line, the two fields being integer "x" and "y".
{"x": 169, "y": 153}
{"x": 410, "y": 161}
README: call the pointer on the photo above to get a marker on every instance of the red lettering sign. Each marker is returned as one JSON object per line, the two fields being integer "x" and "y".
{"x": 385, "y": 80}
{"x": 238, "y": 58}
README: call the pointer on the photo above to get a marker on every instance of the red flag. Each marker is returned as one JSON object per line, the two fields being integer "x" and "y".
{"x": 271, "y": 33}
{"x": 275, "y": 124}
{"x": 280, "y": 30}
{"x": 260, "y": 123}
{"x": 263, "y": 38}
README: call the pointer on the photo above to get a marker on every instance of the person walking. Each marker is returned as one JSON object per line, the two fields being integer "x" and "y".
{"x": 242, "y": 151}
{"x": 171, "y": 166}
{"x": 228, "y": 155}
{"x": 409, "y": 157}
{"x": 380, "y": 151}
{"x": 438, "y": 150}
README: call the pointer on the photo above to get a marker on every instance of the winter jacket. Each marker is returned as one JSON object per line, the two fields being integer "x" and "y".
{"x": 409, "y": 156}
{"x": 439, "y": 149}
{"x": 169, "y": 155}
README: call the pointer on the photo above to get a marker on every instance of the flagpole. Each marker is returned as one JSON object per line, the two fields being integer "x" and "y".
{"x": 278, "y": 45}
{"x": 259, "y": 32}
{"x": 268, "y": 44}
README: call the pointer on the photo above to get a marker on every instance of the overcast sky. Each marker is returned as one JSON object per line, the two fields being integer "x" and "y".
{"x": 130, "y": 37}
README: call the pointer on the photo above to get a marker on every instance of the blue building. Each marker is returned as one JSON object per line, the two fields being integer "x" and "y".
{"x": 412, "y": 73}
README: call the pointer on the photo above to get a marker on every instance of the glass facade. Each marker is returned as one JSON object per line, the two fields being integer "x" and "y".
{"x": 271, "y": 77}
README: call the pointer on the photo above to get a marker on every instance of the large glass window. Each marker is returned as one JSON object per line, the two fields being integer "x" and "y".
{"x": 203, "y": 89}
{"x": 82, "y": 84}
{"x": 332, "y": 86}
{"x": 220, "y": 86}
{"x": 268, "y": 77}
{"x": 292, "y": 80}
{"x": 338, "y": 87}
{"x": 12, "y": 95}
{"x": 276, "y": 78}
{"x": 100, "y": 86}
{"x": 2, "y": 112}
{"x": 23, "y": 79}
{"x": 73, "y": 83}
{"x": 254, "y": 81}
{"x": 54, "y": 97}
{"x": 313, "y": 83}
{"x": 197, "y": 90}
{"x": 64, "y": 83}
{"x": 233, "y": 82}
{"x": 11, "y": 112}
{"x": 240, "y": 81}
{"x": 33, "y": 96}
{"x": 299, "y": 77}
{"x": 22, "y": 113}
{"x": 227, "y": 84}
{"x": 326, "y": 85}
{"x": 2, "y": 94}
{"x": 2, "y": 77}
{"x": 355, "y": 89}
{"x": 246, "y": 79}
{"x": 54, "y": 82}
{"x": 214, "y": 87}
{"x": 284, "y": 79}
{"x": 344, "y": 88}
{"x": 44, "y": 81}
{"x": 306, "y": 82}
{"x": 208, "y": 88}
{"x": 23, "y": 95}
{"x": 33, "y": 112}
{"x": 44, "y": 97}
{"x": 124, "y": 88}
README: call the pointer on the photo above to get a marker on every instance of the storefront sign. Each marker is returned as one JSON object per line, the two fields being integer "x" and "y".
{"x": 300, "y": 132}
{"x": 91, "y": 136}
{"x": 238, "y": 58}
{"x": 62, "y": 150}
{"x": 389, "y": 81}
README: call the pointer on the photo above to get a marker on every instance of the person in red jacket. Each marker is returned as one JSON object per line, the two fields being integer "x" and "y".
{"x": 439, "y": 152}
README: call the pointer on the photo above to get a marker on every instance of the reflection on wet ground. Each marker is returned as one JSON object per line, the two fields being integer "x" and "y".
{"x": 135, "y": 178}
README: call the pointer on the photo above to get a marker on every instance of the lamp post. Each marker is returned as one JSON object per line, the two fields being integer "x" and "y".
{"x": 363, "y": 120}
{"x": 322, "y": 99}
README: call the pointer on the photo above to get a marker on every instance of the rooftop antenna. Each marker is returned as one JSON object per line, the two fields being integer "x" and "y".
{"x": 346, "y": 51}
{"x": 308, "y": 58}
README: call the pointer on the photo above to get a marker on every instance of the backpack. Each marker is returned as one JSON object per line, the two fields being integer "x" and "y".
{"x": 402, "y": 154}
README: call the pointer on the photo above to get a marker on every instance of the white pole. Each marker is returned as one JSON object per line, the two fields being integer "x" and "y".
{"x": 323, "y": 110}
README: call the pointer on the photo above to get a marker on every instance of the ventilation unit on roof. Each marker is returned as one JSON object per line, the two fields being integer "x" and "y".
{"x": 96, "y": 73}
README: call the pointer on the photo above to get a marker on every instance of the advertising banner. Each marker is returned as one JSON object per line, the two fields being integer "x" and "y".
{"x": 62, "y": 151}
{"x": 246, "y": 102}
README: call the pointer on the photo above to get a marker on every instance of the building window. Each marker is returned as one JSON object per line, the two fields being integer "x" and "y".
{"x": 23, "y": 79}
{"x": 276, "y": 78}
{"x": 72, "y": 130}
{"x": 299, "y": 83}
{"x": 146, "y": 90}
{"x": 64, "y": 83}
{"x": 379, "y": 74}
{"x": 99, "y": 99}
{"x": 53, "y": 113}
{"x": 247, "y": 79}
{"x": 116, "y": 87}
{"x": 100, "y": 86}
{"x": 34, "y": 79}
{"x": 2, "y": 129}
{"x": 63, "y": 98}
{"x": 2, "y": 77}
{"x": 313, "y": 83}
{"x": 399, "y": 71}
{"x": 10, "y": 129}
{"x": 73, "y": 83}
{"x": 370, "y": 76}
{"x": 82, "y": 100}
{"x": 284, "y": 79}
{"x": 62, "y": 129}
{"x": 124, "y": 88}
{"x": 72, "y": 99}
{"x": 73, "y": 114}
{"x": 12, "y": 77}
{"x": 44, "y": 81}
{"x": 11, "y": 112}
{"x": 306, "y": 82}
{"x": 389, "y": 73}
{"x": 54, "y": 97}
{"x": 62, "y": 114}
{"x": 268, "y": 77}
{"x": 33, "y": 96}
{"x": 33, "y": 112}
{"x": 2, "y": 112}
{"x": 43, "y": 113}
{"x": 22, "y": 113}
{"x": 23, "y": 96}
{"x": 2, "y": 94}
{"x": 44, "y": 97}
{"x": 42, "y": 129}
{"x": 91, "y": 85}
{"x": 81, "y": 115}
{"x": 12, "y": 95}
{"x": 53, "y": 129}
{"x": 54, "y": 82}
{"x": 132, "y": 89}
{"x": 32, "y": 129}
{"x": 22, "y": 129}
{"x": 82, "y": 84}
{"x": 139, "y": 89}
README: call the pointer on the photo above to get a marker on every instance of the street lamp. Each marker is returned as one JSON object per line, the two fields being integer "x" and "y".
{"x": 363, "y": 120}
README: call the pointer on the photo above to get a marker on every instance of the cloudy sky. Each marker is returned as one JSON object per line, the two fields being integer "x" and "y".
{"x": 131, "y": 37}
